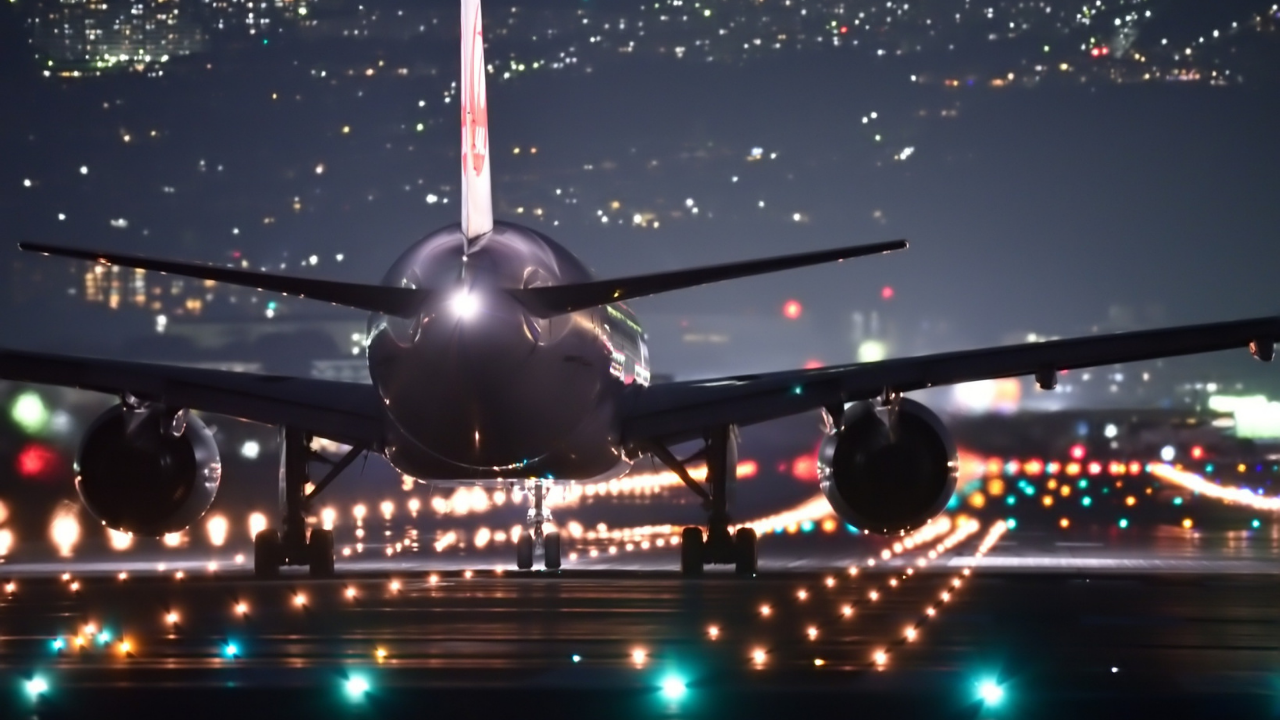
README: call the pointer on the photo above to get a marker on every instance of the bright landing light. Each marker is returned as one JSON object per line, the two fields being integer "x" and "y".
{"x": 357, "y": 686}
{"x": 465, "y": 304}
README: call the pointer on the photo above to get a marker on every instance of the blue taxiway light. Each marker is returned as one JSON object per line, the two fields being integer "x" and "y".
{"x": 674, "y": 688}
{"x": 37, "y": 686}
{"x": 357, "y": 686}
{"x": 231, "y": 650}
{"x": 990, "y": 692}
{"x": 58, "y": 644}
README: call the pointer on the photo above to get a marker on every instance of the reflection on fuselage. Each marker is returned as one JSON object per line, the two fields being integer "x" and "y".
{"x": 477, "y": 388}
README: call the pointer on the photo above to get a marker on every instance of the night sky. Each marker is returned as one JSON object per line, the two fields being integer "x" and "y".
{"x": 1063, "y": 202}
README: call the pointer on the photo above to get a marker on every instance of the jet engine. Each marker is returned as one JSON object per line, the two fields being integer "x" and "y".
{"x": 888, "y": 471}
{"x": 148, "y": 471}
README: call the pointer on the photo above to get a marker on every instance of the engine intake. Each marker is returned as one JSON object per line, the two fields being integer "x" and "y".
{"x": 145, "y": 472}
{"x": 884, "y": 479}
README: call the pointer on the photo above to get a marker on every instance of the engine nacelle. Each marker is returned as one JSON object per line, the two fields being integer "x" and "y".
{"x": 888, "y": 480}
{"x": 147, "y": 472}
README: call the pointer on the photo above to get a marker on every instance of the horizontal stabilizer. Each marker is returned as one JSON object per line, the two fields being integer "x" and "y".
{"x": 401, "y": 302}
{"x": 555, "y": 300}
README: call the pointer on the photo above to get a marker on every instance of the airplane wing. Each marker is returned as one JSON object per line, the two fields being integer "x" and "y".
{"x": 397, "y": 301}
{"x": 676, "y": 412}
{"x": 347, "y": 412}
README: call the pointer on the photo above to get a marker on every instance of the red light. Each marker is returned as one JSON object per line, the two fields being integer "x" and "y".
{"x": 1077, "y": 452}
{"x": 805, "y": 468}
{"x": 1095, "y": 52}
{"x": 1135, "y": 467}
{"x": 747, "y": 469}
{"x": 35, "y": 460}
{"x": 792, "y": 309}
{"x": 886, "y": 292}
{"x": 1197, "y": 452}
{"x": 844, "y": 29}
{"x": 812, "y": 364}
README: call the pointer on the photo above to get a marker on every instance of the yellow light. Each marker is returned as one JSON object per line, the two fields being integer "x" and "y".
{"x": 1047, "y": 500}
{"x": 638, "y": 656}
{"x": 1064, "y": 523}
{"x": 11, "y": 587}
{"x": 830, "y": 581}
{"x": 299, "y": 599}
{"x": 467, "y": 574}
{"x": 351, "y": 592}
{"x": 765, "y": 610}
{"x": 395, "y": 586}
{"x": 803, "y": 594}
{"x": 123, "y": 576}
{"x": 216, "y": 527}
{"x": 881, "y": 657}
{"x": 819, "y": 662}
{"x": 75, "y": 586}
{"x": 713, "y": 632}
{"x": 242, "y": 608}
{"x": 257, "y": 523}
{"x": 380, "y": 654}
{"x": 1131, "y": 501}
{"x": 758, "y": 655}
{"x": 911, "y": 634}
{"x": 874, "y": 595}
{"x": 179, "y": 575}
{"x": 847, "y": 610}
{"x": 172, "y": 618}
{"x": 1186, "y": 523}
{"x": 812, "y": 632}
{"x": 125, "y": 647}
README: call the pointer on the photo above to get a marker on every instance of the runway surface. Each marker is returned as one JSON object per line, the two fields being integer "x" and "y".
{"x": 1054, "y": 624}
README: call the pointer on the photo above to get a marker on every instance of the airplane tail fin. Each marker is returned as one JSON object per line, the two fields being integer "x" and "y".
{"x": 477, "y": 195}
{"x": 552, "y": 300}
{"x": 400, "y": 302}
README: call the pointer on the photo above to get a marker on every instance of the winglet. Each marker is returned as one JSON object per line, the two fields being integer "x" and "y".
{"x": 477, "y": 197}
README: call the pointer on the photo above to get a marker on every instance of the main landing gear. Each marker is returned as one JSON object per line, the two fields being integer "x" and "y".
{"x": 291, "y": 545}
{"x": 550, "y": 542}
{"x": 718, "y": 546}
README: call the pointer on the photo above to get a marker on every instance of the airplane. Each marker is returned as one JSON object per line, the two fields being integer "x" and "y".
{"x": 497, "y": 360}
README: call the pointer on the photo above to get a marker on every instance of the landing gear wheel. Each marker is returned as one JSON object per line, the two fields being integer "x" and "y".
{"x": 524, "y": 551}
{"x": 268, "y": 553}
{"x": 320, "y": 553}
{"x": 691, "y": 551}
{"x": 744, "y": 551}
{"x": 551, "y": 550}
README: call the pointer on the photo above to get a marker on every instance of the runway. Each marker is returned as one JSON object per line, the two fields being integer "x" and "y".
{"x": 909, "y": 634}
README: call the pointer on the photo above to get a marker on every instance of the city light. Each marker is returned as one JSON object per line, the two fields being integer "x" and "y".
{"x": 65, "y": 528}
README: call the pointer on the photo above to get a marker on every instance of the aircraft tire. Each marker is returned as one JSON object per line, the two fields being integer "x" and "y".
{"x": 268, "y": 553}
{"x": 320, "y": 553}
{"x": 744, "y": 551}
{"x": 524, "y": 551}
{"x": 551, "y": 550}
{"x": 692, "y": 552}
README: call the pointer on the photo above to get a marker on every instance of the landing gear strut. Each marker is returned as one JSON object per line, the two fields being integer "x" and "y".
{"x": 718, "y": 546}
{"x": 291, "y": 544}
{"x": 550, "y": 542}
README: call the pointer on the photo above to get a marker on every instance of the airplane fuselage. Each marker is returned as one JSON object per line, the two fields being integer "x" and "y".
{"x": 476, "y": 388}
